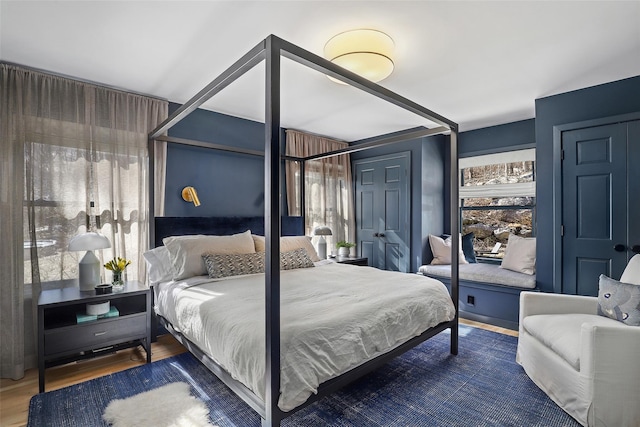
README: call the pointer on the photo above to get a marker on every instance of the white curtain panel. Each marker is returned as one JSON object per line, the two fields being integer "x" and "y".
{"x": 328, "y": 185}
{"x": 159, "y": 176}
{"x": 79, "y": 161}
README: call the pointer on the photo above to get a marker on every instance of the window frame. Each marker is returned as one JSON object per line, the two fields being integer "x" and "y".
{"x": 531, "y": 207}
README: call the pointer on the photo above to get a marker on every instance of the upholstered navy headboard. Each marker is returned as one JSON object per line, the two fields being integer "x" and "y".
{"x": 178, "y": 226}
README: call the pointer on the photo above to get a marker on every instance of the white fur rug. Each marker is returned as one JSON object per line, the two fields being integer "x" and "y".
{"x": 168, "y": 406}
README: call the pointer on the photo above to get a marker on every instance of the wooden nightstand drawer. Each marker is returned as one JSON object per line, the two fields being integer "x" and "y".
{"x": 81, "y": 337}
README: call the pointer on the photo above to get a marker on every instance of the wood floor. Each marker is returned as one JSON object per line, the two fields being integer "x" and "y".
{"x": 15, "y": 395}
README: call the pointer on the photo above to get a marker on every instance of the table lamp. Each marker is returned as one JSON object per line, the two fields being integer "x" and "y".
{"x": 322, "y": 244}
{"x": 89, "y": 266}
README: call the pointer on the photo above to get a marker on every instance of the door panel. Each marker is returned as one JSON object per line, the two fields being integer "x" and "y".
{"x": 594, "y": 206}
{"x": 586, "y": 270}
{"x": 366, "y": 200}
{"x": 392, "y": 210}
{"x": 633, "y": 196}
{"x": 383, "y": 209}
{"x": 366, "y": 249}
{"x": 392, "y": 256}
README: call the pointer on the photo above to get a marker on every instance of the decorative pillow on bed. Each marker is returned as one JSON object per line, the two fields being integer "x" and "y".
{"x": 619, "y": 301}
{"x": 159, "y": 267}
{"x": 226, "y": 265}
{"x": 441, "y": 249}
{"x": 520, "y": 254}
{"x": 186, "y": 251}
{"x": 297, "y": 258}
{"x": 289, "y": 243}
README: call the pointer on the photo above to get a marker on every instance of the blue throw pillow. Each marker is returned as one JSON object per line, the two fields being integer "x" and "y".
{"x": 467, "y": 247}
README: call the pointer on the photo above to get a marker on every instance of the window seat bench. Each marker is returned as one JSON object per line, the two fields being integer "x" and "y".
{"x": 488, "y": 293}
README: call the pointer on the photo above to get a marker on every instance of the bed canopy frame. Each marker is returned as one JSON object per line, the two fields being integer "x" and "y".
{"x": 271, "y": 50}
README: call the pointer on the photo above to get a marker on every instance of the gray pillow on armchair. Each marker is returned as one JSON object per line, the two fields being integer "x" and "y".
{"x": 619, "y": 301}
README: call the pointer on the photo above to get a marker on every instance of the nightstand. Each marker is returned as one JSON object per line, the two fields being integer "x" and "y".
{"x": 63, "y": 338}
{"x": 361, "y": 261}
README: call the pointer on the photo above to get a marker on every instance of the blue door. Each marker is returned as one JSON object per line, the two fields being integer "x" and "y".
{"x": 595, "y": 206}
{"x": 383, "y": 210}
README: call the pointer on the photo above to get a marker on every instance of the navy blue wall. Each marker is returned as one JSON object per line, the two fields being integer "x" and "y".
{"x": 497, "y": 138}
{"x": 611, "y": 99}
{"x": 427, "y": 172}
{"x": 228, "y": 184}
{"x": 225, "y": 192}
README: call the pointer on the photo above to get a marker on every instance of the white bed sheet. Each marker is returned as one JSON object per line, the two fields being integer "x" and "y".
{"x": 334, "y": 317}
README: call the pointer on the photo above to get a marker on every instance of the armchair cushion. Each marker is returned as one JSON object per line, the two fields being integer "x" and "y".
{"x": 619, "y": 301}
{"x": 561, "y": 332}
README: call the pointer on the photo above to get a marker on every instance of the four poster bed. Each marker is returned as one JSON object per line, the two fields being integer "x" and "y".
{"x": 284, "y": 338}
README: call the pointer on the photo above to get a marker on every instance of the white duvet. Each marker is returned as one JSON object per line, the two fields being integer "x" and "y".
{"x": 334, "y": 317}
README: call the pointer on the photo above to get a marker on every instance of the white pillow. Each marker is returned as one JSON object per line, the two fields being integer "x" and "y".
{"x": 186, "y": 251}
{"x": 441, "y": 249}
{"x": 159, "y": 267}
{"x": 520, "y": 255}
{"x": 631, "y": 273}
{"x": 289, "y": 243}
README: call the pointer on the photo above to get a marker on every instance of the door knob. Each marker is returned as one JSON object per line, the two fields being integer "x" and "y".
{"x": 376, "y": 234}
{"x": 381, "y": 234}
{"x": 636, "y": 249}
{"x": 619, "y": 247}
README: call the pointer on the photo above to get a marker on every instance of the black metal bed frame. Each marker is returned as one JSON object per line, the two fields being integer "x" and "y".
{"x": 271, "y": 51}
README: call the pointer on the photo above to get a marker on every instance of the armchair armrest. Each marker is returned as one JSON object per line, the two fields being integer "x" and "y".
{"x": 609, "y": 361}
{"x": 545, "y": 303}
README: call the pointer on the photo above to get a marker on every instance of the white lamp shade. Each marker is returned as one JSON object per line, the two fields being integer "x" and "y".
{"x": 366, "y": 52}
{"x": 322, "y": 231}
{"x": 89, "y": 242}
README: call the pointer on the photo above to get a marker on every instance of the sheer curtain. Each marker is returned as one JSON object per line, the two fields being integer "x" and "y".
{"x": 159, "y": 176}
{"x": 328, "y": 185}
{"x": 78, "y": 161}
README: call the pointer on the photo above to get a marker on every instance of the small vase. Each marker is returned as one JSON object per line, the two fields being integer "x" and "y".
{"x": 342, "y": 251}
{"x": 117, "y": 282}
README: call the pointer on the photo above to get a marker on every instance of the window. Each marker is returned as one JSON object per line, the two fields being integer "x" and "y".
{"x": 497, "y": 198}
{"x": 71, "y": 190}
{"x": 328, "y": 198}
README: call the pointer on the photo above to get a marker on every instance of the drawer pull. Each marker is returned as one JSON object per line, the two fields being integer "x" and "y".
{"x": 97, "y": 334}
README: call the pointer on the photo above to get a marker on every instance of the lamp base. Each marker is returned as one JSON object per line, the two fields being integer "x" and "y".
{"x": 322, "y": 248}
{"x": 89, "y": 272}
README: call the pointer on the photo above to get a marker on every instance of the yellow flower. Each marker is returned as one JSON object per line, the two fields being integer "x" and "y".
{"x": 117, "y": 264}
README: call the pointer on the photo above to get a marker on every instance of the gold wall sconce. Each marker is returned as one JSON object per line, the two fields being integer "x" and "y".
{"x": 190, "y": 195}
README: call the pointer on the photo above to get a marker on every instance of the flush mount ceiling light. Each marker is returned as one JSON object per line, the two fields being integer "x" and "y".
{"x": 368, "y": 53}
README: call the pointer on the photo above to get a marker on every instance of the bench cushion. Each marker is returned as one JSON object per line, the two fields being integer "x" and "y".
{"x": 483, "y": 273}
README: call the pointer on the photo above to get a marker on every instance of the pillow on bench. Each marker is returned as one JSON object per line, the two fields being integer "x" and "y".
{"x": 483, "y": 273}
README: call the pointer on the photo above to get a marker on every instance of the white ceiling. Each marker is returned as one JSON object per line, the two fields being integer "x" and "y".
{"x": 478, "y": 63}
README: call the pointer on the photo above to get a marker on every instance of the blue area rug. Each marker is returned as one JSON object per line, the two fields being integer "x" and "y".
{"x": 481, "y": 386}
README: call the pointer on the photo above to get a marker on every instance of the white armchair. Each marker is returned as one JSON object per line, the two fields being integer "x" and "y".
{"x": 588, "y": 364}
